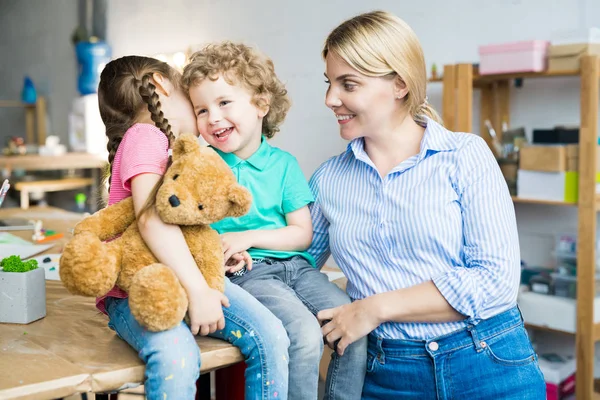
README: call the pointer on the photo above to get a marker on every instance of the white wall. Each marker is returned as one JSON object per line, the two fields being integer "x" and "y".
{"x": 292, "y": 33}
{"x": 35, "y": 40}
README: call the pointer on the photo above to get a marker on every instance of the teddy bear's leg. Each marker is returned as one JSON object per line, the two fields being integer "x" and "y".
{"x": 89, "y": 267}
{"x": 156, "y": 298}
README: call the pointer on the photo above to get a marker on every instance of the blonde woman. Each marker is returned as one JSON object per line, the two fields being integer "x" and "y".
{"x": 430, "y": 246}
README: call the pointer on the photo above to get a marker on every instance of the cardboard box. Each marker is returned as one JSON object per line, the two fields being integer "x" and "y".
{"x": 550, "y": 186}
{"x": 543, "y": 158}
{"x": 565, "y": 57}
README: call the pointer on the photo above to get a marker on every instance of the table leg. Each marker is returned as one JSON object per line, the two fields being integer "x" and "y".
{"x": 95, "y": 190}
{"x": 203, "y": 387}
{"x": 24, "y": 199}
{"x": 230, "y": 382}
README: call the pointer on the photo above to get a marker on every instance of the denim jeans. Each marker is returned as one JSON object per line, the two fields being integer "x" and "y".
{"x": 295, "y": 292}
{"x": 172, "y": 357}
{"x": 492, "y": 360}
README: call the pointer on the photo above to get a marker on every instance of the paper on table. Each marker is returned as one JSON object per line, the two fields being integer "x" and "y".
{"x": 51, "y": 265}
{"x": 23, "y": 250}
{"x": 9, "y": 238}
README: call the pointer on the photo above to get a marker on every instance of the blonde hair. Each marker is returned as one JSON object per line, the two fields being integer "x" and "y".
{"x": 240, "y": 64}
{"x": 380, "y": 44}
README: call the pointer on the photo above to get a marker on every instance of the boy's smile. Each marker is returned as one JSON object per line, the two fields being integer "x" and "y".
{"x": 227, "y": 117}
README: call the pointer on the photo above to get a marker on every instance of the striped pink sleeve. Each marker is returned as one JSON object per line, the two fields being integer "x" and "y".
{"x": 145, "y": 150}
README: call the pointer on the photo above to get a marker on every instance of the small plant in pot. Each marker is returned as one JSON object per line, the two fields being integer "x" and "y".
{"x": 22, "y": 291}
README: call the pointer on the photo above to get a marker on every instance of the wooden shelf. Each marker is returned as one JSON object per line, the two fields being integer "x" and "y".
{"x": 14, "y": 103}
{"x": 518, "y": 75}
{"x": 547, "y": 202}
{"x": 522, "y": 75}
{"x": 545, "y": 328}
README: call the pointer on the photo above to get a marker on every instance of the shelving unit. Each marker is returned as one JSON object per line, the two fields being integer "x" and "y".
{"x": 459, "y": 80}
{"x": 35, "y": 117}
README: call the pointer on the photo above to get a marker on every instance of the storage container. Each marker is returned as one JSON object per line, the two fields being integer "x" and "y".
{"x": 526, "y": 56}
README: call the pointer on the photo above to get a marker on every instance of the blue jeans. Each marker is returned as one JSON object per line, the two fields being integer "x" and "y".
{"x": 493, "y": 360}
{"x": 172, "y": 357}
{"x": 295, "y": 292}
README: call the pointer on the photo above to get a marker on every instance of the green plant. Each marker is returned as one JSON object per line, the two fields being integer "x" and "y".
{"x": 15, "y": 264}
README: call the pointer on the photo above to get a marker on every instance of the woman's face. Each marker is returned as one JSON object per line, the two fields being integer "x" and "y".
{"x": 363, "y": 105}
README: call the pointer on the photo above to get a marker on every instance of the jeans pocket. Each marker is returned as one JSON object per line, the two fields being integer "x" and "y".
{"x": 511, "y": 348}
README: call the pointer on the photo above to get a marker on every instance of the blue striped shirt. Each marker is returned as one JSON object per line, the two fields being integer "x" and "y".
{"x": 444, "y": 214}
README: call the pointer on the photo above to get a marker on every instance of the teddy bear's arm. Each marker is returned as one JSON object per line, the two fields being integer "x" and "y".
{"x": 110, "y": 221}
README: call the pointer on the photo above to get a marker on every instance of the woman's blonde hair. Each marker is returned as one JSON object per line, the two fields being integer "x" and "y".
{"x": 241, "y": 64}
{"x": 381, "y": 44}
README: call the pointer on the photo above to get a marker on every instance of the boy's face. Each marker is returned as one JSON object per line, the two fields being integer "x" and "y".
{"x": 226, "y": 117}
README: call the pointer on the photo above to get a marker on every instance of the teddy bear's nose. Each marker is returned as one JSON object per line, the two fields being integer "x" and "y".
{"x": 174, "y": 201}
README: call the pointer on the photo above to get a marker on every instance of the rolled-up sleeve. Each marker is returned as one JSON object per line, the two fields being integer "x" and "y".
{"x": 489, "y": 278}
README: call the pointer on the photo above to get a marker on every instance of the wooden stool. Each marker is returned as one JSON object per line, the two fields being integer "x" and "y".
{"x": 54, "y": 185}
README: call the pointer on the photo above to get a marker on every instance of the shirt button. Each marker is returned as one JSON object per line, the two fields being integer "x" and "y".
{"x": 433, "y": 346}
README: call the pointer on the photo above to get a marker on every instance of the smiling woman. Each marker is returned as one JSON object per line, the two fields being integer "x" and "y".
{"x": 433, "y": 273}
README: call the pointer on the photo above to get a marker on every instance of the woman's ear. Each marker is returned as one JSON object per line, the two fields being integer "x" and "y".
{"x": 400, "y": 89}
{"x": 163, "y": 85}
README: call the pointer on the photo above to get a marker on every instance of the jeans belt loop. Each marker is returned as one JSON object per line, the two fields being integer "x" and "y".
{"x": 473, "y": 331}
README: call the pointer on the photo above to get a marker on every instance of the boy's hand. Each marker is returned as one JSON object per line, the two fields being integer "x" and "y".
{"x": 237, "y": 262}
{"x": 235, "y": 242}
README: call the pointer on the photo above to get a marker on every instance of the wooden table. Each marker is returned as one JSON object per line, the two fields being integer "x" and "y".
{"x": 72, "y": 350}
{"x": 67, "y": 161}
{"x": 35, "y": 162}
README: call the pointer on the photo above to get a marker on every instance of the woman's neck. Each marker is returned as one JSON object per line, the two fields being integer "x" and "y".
{"x": 394, "y": 144}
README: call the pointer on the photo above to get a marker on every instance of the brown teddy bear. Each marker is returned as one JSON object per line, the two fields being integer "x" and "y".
{"x": 197, "y": 190}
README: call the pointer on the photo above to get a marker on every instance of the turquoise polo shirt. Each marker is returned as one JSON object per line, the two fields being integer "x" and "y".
{"x": 278, "y": 187}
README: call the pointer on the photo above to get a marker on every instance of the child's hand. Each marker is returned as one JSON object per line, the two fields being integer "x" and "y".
{"x": 205, "y": 310}
{"x": 238, "y": 261}
{"x": 235, "y": 242}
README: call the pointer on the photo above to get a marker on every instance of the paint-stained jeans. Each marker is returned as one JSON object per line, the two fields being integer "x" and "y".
{"x": 172, "y": 357}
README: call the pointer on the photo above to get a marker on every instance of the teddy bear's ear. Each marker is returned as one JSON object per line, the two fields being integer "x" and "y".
{"x": 184, "y": 144}
{"x": 240, "y": 199}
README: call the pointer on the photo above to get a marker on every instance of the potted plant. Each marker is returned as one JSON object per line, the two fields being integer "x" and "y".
{"x": 22, "y": 291}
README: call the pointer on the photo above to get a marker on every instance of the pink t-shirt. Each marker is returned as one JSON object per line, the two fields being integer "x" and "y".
{"x": 144, "y": 149}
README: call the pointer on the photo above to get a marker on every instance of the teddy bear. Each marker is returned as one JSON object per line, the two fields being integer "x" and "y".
{"x": 197, "y": 189}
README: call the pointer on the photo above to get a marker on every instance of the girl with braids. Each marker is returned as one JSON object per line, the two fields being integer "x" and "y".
{"x": 136, "y": 94}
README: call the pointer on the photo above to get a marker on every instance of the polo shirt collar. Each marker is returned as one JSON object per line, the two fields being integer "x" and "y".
{"x": 258, "y": 160}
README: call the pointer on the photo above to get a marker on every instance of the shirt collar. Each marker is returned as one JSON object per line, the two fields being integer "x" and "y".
{"x": 436, "y": 138}
{"x": 258, "y": 160}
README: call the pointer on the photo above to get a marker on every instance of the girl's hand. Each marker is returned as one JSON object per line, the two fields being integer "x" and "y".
{"x": 238, "y": 261}
{"x": 235, "y": 242}
{"x": 205, "y": 310}
{"x": 348, "y": 323}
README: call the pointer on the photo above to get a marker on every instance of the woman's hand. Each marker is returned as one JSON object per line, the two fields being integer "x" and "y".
{"x": 235, "y": 242}
{"x": 350, "y": 322}
{"x": 205, "y": 310}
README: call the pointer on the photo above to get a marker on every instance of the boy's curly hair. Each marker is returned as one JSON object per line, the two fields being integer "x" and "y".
{"x": 241, "y": 64}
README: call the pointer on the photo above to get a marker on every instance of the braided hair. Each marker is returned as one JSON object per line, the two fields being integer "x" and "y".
{"x": 125, "y": 90}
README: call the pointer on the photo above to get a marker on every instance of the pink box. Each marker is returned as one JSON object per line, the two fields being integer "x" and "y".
{"x": 528, "y": 56}
{"x": 562, "y": 390}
